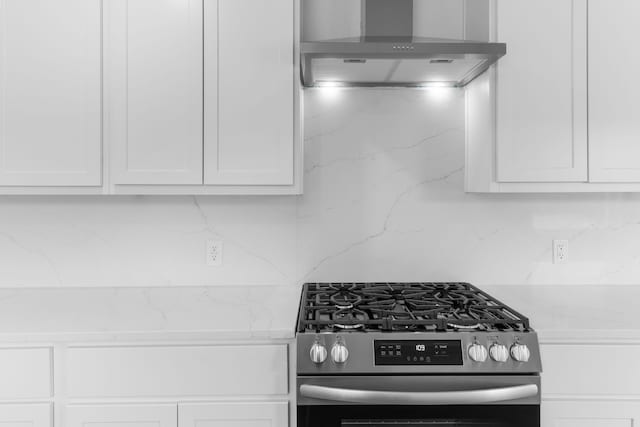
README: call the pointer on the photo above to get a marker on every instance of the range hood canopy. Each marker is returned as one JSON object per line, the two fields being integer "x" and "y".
{"x": 389, "y": 55}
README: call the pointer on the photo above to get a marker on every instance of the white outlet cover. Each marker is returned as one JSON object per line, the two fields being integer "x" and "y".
{"x": 560, "y": 251}
{"x": 214, "y": 253}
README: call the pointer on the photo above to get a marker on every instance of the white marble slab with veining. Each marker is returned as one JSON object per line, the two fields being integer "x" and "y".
{"x": 148, "y": 314}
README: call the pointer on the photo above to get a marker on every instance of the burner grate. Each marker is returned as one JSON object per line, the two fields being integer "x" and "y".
{"x": 409, "y": 307}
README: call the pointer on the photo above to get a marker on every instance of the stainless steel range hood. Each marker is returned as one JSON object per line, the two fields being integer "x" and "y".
{"x": 389, "y": 55}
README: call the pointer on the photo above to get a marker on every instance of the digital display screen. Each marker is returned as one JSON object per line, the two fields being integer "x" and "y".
{"x": 418, "y": 352}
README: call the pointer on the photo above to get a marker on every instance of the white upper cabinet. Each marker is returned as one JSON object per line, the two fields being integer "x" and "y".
{"x": 614, "y": 110}
{"x": 50, "y": 93}
{"x": 154, "y": 91}
{"x": 150, "y": 97}
{"x": 249, "y": 104}
{"x": 541, "y": 91}
{"x": 559, "y": 113}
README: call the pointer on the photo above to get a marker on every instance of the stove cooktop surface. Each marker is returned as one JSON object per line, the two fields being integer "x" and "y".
{"x": 404, "y": 307}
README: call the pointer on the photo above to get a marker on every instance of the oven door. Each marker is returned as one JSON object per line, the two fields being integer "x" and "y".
{"x": 419, "y": 401}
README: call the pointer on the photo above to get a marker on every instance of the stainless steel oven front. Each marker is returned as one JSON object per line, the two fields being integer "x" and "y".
{"x": 418, "y": 401}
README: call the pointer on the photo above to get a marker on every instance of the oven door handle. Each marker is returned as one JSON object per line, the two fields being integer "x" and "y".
{"x": 465, "y": 397}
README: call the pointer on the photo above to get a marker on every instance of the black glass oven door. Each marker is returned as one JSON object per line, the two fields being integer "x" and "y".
{"x": 416, "y": 423}
{"x": 419, "y": 416}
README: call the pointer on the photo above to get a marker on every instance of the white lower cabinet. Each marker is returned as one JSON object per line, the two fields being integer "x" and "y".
{"x": 36, "y": 415}
{"x": 122, "y": 416}
{"x": 588, "y": 413}
{"x": 244, "y": 414}
{"x": 576, "y": 395}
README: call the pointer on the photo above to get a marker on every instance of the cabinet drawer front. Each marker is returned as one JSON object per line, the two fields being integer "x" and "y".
{"x": 569, "y": 370}
{"x": 122, "y": 416}
{"x": 25, "y": 373}
{"x": 39, "y": 415}
{"x": 240, "y": 414}
{"x": 177, "y": 371}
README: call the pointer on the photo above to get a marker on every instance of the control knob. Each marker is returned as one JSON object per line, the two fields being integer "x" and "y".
{"x": 520, "y": 352}
{"x": 477, "y": 352}
{"x": 318, "y": 353}
{"x": 339, "y": 352}
{"x": 499, "y": 353}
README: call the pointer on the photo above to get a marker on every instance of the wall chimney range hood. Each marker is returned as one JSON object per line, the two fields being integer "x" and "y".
{"x": 388, "y": 55}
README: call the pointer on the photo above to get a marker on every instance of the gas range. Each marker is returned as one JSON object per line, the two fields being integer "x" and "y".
{"x": 418, "y": 345}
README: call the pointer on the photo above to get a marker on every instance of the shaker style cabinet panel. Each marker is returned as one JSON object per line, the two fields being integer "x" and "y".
{"x": 246, "y": 414}
{"x": 589, "y": 413}
{"x": 614, "y": 110}
{"x": 249, "y": 92}
{"x": 122, "y": 416}
{"x": 25, "y": 373}
{"x": 27, "y": 415}
{"x": 154, "y": 91}
{"x": 541, "y": 91}
{"x": 50, "y": 93}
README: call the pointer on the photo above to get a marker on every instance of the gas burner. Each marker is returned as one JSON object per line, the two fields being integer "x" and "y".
{"x": 410, "y": 307}
{"x": 476, "y": 326}
{"x": 348, "y": 327}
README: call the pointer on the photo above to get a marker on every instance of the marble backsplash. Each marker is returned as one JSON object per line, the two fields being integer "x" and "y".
{"x": 383, "y": 200}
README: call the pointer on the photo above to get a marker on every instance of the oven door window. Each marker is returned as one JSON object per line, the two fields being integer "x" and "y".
{"x": 419, "y": 416}
{"x": 416, "y": 423}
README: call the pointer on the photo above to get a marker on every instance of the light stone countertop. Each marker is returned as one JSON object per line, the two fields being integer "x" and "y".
{"x": 576, "y": 313}
{"x": 148, "y": 314}
{"x": 244, "y": 313}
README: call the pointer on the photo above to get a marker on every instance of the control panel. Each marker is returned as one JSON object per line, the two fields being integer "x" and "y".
{"x": 423, "y": 352}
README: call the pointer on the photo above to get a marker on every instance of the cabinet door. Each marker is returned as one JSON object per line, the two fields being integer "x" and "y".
{"x": 249, "y": 92}
{"x": 26, "y": 415}
{"x": 614, "y": 111}
{"x": 268, "y": 414}
{"x": 542, "y": 91}
{"x": 50, "y": 102}
{"x": 154, "y": 91}
{"x": 122, "y": 416}
{"x": 589, "y": 413}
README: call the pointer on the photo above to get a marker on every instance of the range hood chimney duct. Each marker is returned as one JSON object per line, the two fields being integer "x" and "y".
{"x": 384, "y": 18}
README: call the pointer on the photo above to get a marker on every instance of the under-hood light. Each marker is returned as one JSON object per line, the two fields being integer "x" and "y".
{"x": 437, "y": 84}
{"x": 329, "y": 84}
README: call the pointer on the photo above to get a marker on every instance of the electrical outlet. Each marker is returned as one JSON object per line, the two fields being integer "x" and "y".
{"x": 560, "y": 251}
{"x": 214, "y": 253}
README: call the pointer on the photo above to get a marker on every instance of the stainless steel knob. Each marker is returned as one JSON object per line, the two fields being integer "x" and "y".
{"x": 318, "y": 353}
{"x": 339, "y": 352}
{"x": 477, "y": 352}
{"x": 520, "y": 352}
{"x": 499, "y": 352}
